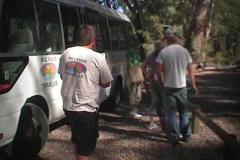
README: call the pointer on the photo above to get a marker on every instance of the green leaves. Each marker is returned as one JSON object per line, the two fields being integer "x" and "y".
{"x": 150, "y": 16}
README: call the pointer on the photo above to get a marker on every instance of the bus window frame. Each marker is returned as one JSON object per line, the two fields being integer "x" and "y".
{"x": 1, "y": 8}
{"x": 109, "y": 34}
{"x": 61, "y": 8}
{"x": 114, "y": 20}
{"x": 38, "y": 28}
{"x": 101, "y": 16}
{"x": 2, "y": 16}
{"x": 82, "y": 17}
{"x": 61, "y": 28}
{"x": 129, "y": 33}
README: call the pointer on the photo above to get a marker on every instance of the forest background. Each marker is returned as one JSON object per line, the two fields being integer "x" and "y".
{"x": 210, "y": 29}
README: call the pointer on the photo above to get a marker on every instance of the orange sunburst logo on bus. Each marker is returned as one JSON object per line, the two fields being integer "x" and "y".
{"x": 48, "y": 71}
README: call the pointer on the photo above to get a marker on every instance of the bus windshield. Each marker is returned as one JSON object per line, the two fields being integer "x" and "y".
{"x": 10, "y": 69}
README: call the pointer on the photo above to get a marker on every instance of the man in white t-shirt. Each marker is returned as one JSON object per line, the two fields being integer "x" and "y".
{"x": 83, "y": 72}
{"x": 173, "y": 62}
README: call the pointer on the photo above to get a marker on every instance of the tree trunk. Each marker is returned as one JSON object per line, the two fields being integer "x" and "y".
{"x": 200, "y": 29}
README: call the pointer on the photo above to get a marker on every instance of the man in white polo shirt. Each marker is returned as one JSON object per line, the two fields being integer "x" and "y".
{"x": 173, "y": 62}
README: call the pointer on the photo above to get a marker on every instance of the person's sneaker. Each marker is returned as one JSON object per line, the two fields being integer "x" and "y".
{"x": 163, "y": 125}
{"x": 135, "y": 114}
{"x": 152, "y": 126}
{"x": 186, "y": 139}
{"x": 176, "y": 143}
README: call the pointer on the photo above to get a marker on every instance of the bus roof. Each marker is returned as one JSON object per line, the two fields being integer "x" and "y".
{"x": 97, "y": 7}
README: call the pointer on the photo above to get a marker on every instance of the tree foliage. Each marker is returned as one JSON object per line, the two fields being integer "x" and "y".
{"x": 222, "y": 22}
{"x": 226, "y": 27}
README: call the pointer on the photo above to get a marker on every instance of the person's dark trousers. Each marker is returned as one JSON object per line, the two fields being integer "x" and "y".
{"x": 156, "y": 98}
{"x": 175, "y": 101}
{"x": 157, "y": 102}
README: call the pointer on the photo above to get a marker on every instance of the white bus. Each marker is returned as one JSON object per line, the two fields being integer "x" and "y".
{"x": 33, "y": 33}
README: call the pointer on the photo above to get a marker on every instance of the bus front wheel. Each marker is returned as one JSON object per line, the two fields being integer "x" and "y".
{"x": 32, "y": 131}
{"x": 114, "y": 99}
{"x": 116, "y": 96}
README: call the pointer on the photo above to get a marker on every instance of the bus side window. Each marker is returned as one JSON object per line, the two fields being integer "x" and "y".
{"x": 82, "y": 16}
{"x": 99, "y": 22}
{"x": 70, "y": 25}
{"x": 122, "y": 37}
{"x": 18, "y": 26}
{"x": 116, "y": 34}
{"x": 129, "y": 34}
{"x": 20, "y": 40}
{"x": 49, "y": 26}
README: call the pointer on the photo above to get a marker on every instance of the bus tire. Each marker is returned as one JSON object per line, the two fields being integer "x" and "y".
{"x": 117, "y": 94}
{"x": 114, "y": 99}
{"x": 32, "y": 131}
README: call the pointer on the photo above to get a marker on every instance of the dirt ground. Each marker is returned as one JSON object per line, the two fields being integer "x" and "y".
{"x": 124, "y": 138}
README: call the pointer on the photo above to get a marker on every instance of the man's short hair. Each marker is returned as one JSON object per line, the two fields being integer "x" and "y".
{"x": 85, "y": 35}
{"x": 169, "y": 32}
{"x": 170, "y": 35}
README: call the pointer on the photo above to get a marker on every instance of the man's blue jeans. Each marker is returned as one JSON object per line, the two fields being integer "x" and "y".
{"x": 175, "y": 101}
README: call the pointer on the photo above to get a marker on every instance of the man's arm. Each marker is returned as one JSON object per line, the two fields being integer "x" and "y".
{"x": 146, "y": 78}
{"x": 144, "y": 66}
{"x": 105, "y": 75}
{"x": 192, "y": 77}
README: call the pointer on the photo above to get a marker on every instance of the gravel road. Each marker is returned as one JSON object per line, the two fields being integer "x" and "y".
{"x": 125, "y": 138}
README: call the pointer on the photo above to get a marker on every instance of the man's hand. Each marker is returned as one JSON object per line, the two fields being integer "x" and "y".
{"x": 196, "y": 91}
{"x": 192, "y": 77}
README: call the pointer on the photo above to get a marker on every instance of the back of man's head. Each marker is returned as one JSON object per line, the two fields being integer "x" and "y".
{"x": 172, "y": 40}
{"x": 86, "y": 35}
{"x": 171, "y": 36}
